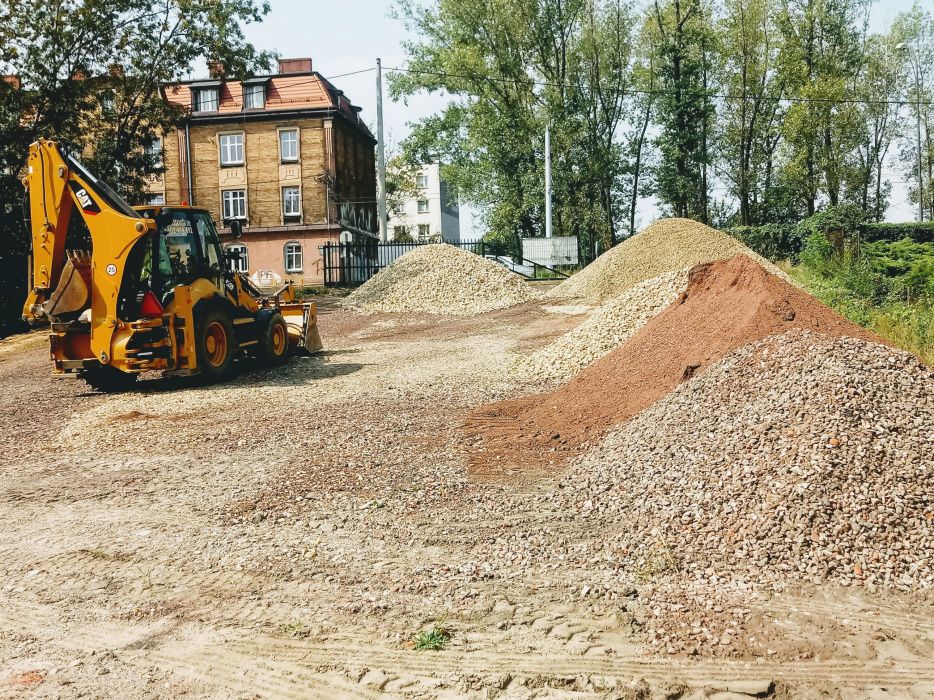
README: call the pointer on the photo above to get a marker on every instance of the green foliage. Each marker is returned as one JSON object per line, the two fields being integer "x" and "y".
{"x": 433, "y": 639}
{"x": 846, "y": 218}
{"x": 887, "y": 286}
{"x": 773, "y": 241}
{"x": 90, "y": 74}
{"x": 918, "y": 232}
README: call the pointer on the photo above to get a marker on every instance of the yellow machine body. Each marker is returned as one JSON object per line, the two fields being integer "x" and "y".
{"x": 154, "y": 292}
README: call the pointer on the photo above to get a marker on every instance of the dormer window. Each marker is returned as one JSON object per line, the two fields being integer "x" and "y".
{"x": 254, "y": 96}
{"x": 206, "y": 100}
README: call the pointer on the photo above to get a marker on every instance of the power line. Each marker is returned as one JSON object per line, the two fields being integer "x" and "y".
{"x": 656, "y": 93}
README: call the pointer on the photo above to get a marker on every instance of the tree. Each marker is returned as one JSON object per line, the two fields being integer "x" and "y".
{"x": 514, "y": 67}
{"x": 914, "y": 32}
{"x": 685, "y": 108}
{"x": 751, "y": 115}
{"x": 89, "y": 73}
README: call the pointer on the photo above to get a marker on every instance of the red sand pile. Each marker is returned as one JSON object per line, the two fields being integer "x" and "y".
{"x": 728, "y": 304}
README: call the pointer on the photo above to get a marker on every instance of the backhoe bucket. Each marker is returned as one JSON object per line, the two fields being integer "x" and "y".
{"x": 302, "y": 323}
{"x": 73, "y": 293}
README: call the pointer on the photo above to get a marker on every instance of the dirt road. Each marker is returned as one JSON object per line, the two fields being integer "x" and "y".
{"x": 287, "y": 534}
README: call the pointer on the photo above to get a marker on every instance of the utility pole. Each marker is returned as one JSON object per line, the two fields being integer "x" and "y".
{"x": 381, "y": 155}
{"x": 547, "y": 181}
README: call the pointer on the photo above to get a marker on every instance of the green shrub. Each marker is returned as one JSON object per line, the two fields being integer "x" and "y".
{"x": 773, "y": 241}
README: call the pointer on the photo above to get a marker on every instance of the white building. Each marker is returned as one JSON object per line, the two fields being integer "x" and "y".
{"x": 431, "y": 216}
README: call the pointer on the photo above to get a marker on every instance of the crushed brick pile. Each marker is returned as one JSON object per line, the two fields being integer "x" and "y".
{"x": 801, "y": 456}
{"x": 610, "y": 325}
{"x": 728, "y": 304}
{"x": 665, "y": 246}
{"x": 442, "y": 279}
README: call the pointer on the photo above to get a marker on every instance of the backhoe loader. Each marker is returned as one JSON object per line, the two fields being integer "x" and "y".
{"x": 154, "y": 292}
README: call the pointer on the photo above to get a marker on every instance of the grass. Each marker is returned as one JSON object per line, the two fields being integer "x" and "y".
{"x": 435, "y": 638}
{"x": 295, "y": 630}
{"x": 909, "y": 326}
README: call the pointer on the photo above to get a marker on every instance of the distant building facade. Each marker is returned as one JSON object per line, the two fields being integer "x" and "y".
{"x": 430, "y": 216}
{"x": 285, "y": 154}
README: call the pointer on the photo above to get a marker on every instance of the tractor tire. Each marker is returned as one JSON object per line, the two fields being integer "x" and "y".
{"x": 274, "y": 349}
{"x": 215, "y": 344}
{"x": 107, "y": 379}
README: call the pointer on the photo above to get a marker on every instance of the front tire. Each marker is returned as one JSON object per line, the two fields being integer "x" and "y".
{"x": 107, "y": 379}
{"x": 274, "y": 348}
{"x": 216, "y": 344}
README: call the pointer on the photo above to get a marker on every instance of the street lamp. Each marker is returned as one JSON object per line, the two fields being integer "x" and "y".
{"x": 915, "y": 69}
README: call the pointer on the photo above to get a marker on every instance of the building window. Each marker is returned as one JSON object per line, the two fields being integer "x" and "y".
{"x": 422, "y": 182}
{"x": 239, "y": 260}
{"x": 234, "y": 202}
{"x": 293, "y": 257}
{"x": 424, "y": 231}
{"x": 423, "y": 206}
{"x": 291, "y": 204}
{"x": 206, "y": 100}
{"x": 288, "y": 145}
{"x": 154, "y": 151}
{"x": 254, "y": 96}
{"x": 155, "y": 199}
{"x": 231, "y": 146}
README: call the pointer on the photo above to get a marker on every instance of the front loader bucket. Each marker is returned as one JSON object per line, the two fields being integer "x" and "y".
{"x": 302, "y": 323}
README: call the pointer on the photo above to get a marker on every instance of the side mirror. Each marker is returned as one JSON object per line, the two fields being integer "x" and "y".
{"x": 236, "y": 228}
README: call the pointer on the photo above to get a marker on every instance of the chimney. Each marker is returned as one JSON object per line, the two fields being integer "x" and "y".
{"x": 294, "y": 65}
{"x": 216, "y": 69}
{"x": 115, "y": 70}
{"x": 12, "y": 80}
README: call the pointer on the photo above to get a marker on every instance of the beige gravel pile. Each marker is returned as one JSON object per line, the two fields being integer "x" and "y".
{"x": 800, "y": 456}
{"x": 665, "y": 246}
{"x": 610, "y": 325}
{"x": 442, "y": 279}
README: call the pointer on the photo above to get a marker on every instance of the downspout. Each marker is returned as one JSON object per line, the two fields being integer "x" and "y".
{"x": 191, "y": 189}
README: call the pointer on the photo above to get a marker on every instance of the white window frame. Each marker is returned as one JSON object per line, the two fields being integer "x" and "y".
{"x": 243, "y": 264}
{"x": 250, "y": 92}
{"x": 199, "y": 103}
{"x": 155, "y": 151}
{"x": 424, "y": 231}
{"x": 421, "y": 181}
{"x": 225, "y": 199}
{"x": 297, "y": 201}
{"x": 155, "y": 199}
{"x": 297, "y": 143}
{"x": 293, "y": 250}
{"x": 423, "y": 206}
{"x": 228, "y": 153}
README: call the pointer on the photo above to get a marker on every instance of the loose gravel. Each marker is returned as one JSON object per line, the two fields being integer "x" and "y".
{"x": 442, "y": 279}
{"x": 800, "y": 456}
{"x": 665, "y": 246}
{"x": 609, "y": 326}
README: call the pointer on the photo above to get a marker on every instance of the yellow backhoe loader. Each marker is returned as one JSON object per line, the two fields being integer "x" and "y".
{"x": 154, "y": 292}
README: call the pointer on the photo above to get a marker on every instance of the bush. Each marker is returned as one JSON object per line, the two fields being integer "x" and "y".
{"x": 773, "y": 241}
{"x": 917, "y": 232}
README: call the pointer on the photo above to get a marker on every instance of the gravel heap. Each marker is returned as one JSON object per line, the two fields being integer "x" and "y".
{"x": 442, "y": 279}
{"x": 609, "y": 326}
{"x": 665, "y": 246}
{"x": 799, "y": 456}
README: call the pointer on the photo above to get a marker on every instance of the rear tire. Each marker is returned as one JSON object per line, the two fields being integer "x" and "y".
{"x": 107, "y": 379}
{"x": 274, "y": 348}
{"x": 215, "y": 344}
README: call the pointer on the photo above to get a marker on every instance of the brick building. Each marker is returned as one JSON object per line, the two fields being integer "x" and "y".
{"x": 286, "y": 154}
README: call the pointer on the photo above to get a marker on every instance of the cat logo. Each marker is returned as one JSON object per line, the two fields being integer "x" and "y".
{"x": 85, "y": 201}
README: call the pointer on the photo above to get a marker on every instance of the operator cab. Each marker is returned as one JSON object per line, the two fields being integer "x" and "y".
{"x": 186, "y": 247}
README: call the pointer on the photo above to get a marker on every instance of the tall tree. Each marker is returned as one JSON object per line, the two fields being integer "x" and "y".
{"x": 685, "y": 108}
{"x": 89, "y": 73}
{"x": 914, "y": 32}
{"x": 752, "y": 111}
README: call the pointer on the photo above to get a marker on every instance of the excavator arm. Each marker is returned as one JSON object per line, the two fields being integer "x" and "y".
{"x": 56, "y": 183}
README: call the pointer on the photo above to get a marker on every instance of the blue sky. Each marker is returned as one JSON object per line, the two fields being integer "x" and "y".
{"x": 342, "y": 37}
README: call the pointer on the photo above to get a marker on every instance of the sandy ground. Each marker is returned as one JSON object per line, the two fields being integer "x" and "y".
{"x": 288, "y": 533}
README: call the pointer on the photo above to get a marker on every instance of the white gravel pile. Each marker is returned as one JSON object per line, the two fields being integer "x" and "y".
{"x": 797, "y": 457}
{"x": 442, "y": 279}
{"x": 608, "y": 327}
{"x": 665, "y": 246}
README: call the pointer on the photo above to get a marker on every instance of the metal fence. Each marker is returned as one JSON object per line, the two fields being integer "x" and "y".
{"x": 353, "y": 263}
